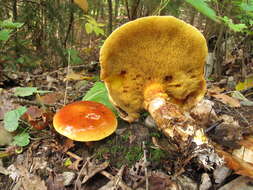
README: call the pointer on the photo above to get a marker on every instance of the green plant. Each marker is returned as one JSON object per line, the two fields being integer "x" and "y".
{"x": 74, "y": 57}
{"x": 92, "y": 26}
{"x": 156, "y": 155}
{"x": 12, "y": 118}
{"x": 6, "y": 28}
{"x": 99, "y": 94}
{"x": 242, "y": 10}
{"x": 134, "y": 154}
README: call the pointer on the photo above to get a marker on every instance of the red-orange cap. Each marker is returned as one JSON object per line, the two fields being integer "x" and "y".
{"x": 85, "y": 121}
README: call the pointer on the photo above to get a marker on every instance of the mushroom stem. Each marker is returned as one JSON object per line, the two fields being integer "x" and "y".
{"x": 171, "y": 120}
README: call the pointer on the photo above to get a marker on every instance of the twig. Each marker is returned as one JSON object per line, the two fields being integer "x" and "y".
{"x": 244, "y": 118}
{"x": 80, "y": 173}
{"x": 117, "y": 179}
{"x": 216, "y": 124}
{"x": 145, "y": 164}
{"x": 74, "y": 155}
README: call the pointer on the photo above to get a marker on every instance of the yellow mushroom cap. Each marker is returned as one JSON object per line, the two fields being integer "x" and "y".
{"x": 150, "y": 55}
{"x": 85, "y": 121}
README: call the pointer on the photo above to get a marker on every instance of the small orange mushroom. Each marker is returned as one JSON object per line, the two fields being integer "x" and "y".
{"x": 85, "y": 121}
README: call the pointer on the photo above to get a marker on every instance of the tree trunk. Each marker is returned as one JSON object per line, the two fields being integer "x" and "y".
{"x": 110, "y": 16}
{"x": 15, "y": 16}
{"x": 116, "y": 7}
{"x": 71, "y": 22}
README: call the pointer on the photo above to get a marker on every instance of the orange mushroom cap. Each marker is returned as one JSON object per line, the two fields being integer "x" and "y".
{"x": 85, "y": 121}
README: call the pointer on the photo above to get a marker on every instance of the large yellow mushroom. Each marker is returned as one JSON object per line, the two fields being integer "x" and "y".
{"x": 156, "y": 63}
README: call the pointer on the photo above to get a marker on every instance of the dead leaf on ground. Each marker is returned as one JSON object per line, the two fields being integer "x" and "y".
{"x": 55, "y": 182}
{"x": 6, "y": 103}
{"x": 68, "y": 144}
{"x": 76, "y": 76}
{"x": 227, "y": 100}
{"x": 50, "y": 98}
{"x": 242, "y": 183}
{"x": 30, "y": 181}
{"x": 157, "y": 182}
{"x": 38, "y": 118}
{"x": 5, "y": 136}
{"x": 215, "y": 90}
{"x": 92, "y": 169}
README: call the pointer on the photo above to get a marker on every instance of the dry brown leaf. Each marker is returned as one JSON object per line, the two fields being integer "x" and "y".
{"x": 92, "y": 169}
{"x": 33, "y": 113}
{"x": 68, "y": 143}
{"x": 38, "y": 118}
{"x": 50, "y": 98}
{"x": 240, "y": 183}
{"x": 215, "y": 90}
{"x": 30, "y": 181}
{"x": 76, "y": 76}
{"x": 227, "y": 100}
{"x": 55, "y": 182}
{"x": 233, "y": 162}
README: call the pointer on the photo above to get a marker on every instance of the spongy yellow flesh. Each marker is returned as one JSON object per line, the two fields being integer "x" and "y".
{"x": 154, "y": 54}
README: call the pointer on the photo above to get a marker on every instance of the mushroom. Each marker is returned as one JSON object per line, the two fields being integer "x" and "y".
{"x": 85, "y": 121}
{"x": 156, "y": 63}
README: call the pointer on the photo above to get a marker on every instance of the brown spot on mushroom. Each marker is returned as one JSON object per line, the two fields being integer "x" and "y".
{"x": 168, "y": 78}
{"x": 123, "y": 72}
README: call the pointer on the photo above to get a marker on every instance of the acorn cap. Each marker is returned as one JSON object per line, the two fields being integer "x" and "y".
{"x": 150, "y": 55}
{"x": 85, "y": 121}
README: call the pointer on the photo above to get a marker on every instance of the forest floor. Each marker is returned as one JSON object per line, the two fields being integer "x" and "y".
{"x": 134, "y": 157}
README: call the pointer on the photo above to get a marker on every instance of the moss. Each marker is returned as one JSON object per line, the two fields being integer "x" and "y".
{"x": 156, "y": 155}
{"x": 101, "y": 151}
{"x": 126, "y": 136}
{"x": 156, "y": 134}
{"x": 134, "y": 154}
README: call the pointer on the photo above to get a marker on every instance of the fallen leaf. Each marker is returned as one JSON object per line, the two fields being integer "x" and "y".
{"x": 5, "y": 136}
{"x": 76, "y": 76}
{"x": 247, "y": 83}
{"x": 50, "y": 98}
{"x": 33, "y": 113}
{"x": 227, "y": 100}
{"x": 242, "y": 183}
{"x": 55, "y": 182}
{"x": 92, "y": 169}
{"x": 68, "y": 143}
{"x": 30, "y": 181}
{"x": 215, "y": 90}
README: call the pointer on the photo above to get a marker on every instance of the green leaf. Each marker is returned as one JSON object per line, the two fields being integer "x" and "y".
{"x": 203, "y": 8}
{"x": 28, "y": 91}
{"x": 74, "y": 56}
{"x": 5, "y": 34}
{"x": 9, "y": 24}
{"x": 98, "y": 31}
{"x": 88, "y": 28}
{"x": 98, "y": 93}
{"x": 25, "y": 91}
{"x": 247, "y": 7}
{"x": 22, "y": 139}
{"x": 11, "y": 118}
{"x": 232, "y": 26}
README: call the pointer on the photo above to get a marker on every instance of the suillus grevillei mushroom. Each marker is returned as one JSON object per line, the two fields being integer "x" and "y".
{"x": 156, "y": 63}
{"x": 85, "y": 121}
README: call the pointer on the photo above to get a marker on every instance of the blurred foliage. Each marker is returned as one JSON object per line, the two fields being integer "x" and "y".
{"x": 41, "y": 33}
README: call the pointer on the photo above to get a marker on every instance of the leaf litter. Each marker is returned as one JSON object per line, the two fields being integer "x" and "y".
{"x": 42, "y": 163}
